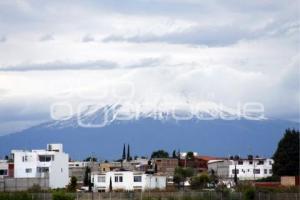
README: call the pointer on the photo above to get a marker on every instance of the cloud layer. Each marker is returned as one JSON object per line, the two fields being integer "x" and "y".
{"x": 179, "y": 50}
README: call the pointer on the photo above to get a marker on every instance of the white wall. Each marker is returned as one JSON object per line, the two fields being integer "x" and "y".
{"x": 128, "y": 183}
{"x": 26, "y": 164}
{"x": 246, "y": 170}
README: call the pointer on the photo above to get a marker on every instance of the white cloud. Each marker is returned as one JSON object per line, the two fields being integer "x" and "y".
{"x": 176, "y": 50}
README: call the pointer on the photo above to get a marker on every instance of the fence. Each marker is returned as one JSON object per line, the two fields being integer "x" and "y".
{"x": 210, "y": 195}
{"x": 22, "y": 184}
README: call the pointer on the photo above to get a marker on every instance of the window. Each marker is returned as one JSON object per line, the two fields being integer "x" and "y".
{"x": 265, "y": 171}
{"x": 24, "y": 158}
{"x": 240, "y": 162}
{"x": 260, "y": 162}
{"x": 28, "y": 170}
{"x": 270, "y": 162}
{"x": 101, "y": 179}
{"x": 3, "y": 172}
{"x": 237, "y": 171}
{"x": 256, "y": 171}
{"x": 46, "y": 158}
{"x": 118, "y": 179}
{"x": 270, "y": 171}
{"x": 137, "y": 179}
{"x": 250, "y": 162}
{"x": 42, "y": 169}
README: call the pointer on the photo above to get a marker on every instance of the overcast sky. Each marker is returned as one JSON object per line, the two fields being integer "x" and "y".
{"x": 183, "y": 51}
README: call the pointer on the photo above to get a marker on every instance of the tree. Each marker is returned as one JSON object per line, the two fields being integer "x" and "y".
{"x": 128, "y": 153}
{"x": 110, "y": 185}
{"x": 174, "y": 155}
{"x": 160, "y": 154}
{"x": 86, "y": 180}
{"x": 73, "y": 184}
{"x": 124, "y": 153}
{"x": 286, "y": 157}
{"x": 90, "y": 159}
{"x": 181, "y": 175}
{"x": 190, "y": 155}
{"x": 199, "y": 182}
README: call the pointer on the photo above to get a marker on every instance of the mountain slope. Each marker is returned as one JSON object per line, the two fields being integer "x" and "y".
{"x": 213, "y": 137}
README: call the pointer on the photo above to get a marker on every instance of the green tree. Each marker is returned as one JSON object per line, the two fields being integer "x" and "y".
{"x": 286, "y": 157}
{"x": 190, "y": 155}
{"x": 110, "y": 185}
{"x": 128, "y": 153}
{"x": 86, "y": 180}
{"x": 124, "y": 153}
{"x": 199, "y": 182}
{"x": 73, "y": 184}
{"x": 90, "y": 159}
{"x": 181, "y": 175}
{"x": 160, "y": 154}
{"x": 174, "y": 155}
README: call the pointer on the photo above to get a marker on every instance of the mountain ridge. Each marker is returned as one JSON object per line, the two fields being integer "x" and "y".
{"x": 212, "y": 137}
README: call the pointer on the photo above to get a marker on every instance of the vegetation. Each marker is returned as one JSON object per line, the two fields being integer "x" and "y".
{"x": 199, "y": 182}
{"x": 16, "y": 196}
{"x": 286, "y": 157}
{"x": 72, "y": 185}
{"x": 35, "y": 188}
{"x": 160, "y": 154}
{"x": 90, "y": 159}
{"x": 174, "y": 155}
{"x": 249, "y": 194}
{"x": 190, "y": 155}
{"x": 181, "y": 175}
{"x": 273, "y": 178}
{"x": 62, "y": 196}
{"x": 124, "y": 153}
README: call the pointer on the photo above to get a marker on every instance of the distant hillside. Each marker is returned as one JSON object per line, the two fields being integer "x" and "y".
{"x": 217, "y": 137}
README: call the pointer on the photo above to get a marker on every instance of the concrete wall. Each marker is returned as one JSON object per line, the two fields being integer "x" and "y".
{"x": 21, "y": 184}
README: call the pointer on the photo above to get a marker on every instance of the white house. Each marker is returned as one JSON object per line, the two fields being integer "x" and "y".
{"x": 51, "y": 163}
{"x": 3, "y": 168}
{"x": 247, "y": 169}
{"x": 128, "y": 181}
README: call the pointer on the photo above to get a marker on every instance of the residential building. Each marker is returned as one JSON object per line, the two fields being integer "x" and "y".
{"x": 3, "y": 168}
{"x": 199, "y": 163}
{"x": 51, "y": 164}
{"x": 77, "y": 169}
{"x": 127, "y": 181}
{"x": 166, "y": 166}
{"x": 246, "y": 169}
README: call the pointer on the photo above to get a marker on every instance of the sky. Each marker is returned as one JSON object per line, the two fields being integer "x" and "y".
{"x": 151, "y": 53}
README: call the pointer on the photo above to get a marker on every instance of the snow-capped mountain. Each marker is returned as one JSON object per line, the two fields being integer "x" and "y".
{"x": 103, "y": 130}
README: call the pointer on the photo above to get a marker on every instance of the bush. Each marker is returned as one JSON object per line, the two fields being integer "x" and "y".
{"x": 199, "y": 182}
{"x": 249, "y": 194}
{"x": 62, "y": 196}
{"x": 35, "y": 188}
{"x": 15, "y": 196}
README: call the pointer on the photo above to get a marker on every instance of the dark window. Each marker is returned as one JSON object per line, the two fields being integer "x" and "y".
{"x": 260, "y": 162}
{"x": 237, "y": 171}
{"x": 28, "y": 170}
{"x": 256, "y": 171}
{"x": 137, "y": 179}
{"x": 3, "y": 172}
{"x": 46, "y": 158}
{"x": 240, "y": 162}
{"x": 42, "y": 169}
